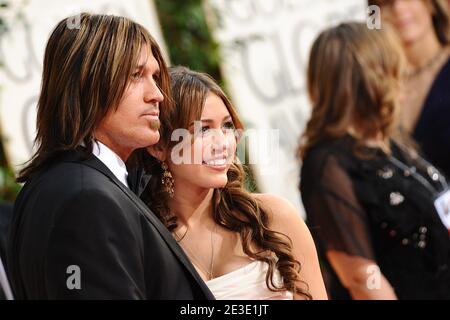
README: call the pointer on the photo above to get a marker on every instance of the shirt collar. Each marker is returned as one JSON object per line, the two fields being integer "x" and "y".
{"x": 111, "y": 160}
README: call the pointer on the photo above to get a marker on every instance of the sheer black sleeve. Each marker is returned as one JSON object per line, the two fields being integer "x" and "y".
{"x": 334, "y": 214}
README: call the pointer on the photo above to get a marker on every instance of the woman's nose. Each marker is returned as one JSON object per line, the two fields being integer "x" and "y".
{"x": 220, "y": 141}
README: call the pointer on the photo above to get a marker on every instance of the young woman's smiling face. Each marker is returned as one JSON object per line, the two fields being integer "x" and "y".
{"x": 212, "y": 150}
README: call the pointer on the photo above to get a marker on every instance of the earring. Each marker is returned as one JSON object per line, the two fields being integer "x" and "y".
{"x": 167, "y": 180}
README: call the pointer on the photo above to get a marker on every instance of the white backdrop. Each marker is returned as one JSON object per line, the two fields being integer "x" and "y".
{"x": 264, "y": 49}
{"x": 22, "y": 50}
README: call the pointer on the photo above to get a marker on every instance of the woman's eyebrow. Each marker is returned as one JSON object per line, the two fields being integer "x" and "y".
{"x": 210, "y": 120}
{"x": 228, "y": 117}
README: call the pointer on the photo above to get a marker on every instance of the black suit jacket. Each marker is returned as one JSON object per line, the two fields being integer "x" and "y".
{"x": 77, "y": 221}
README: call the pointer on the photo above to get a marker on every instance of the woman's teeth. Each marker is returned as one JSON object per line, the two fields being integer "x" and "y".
{"x": 217, "y": 162}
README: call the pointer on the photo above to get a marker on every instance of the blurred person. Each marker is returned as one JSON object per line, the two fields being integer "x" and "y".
{"x": 370, "y": 201}
{"x": 244, "y": 246}
{"x": 423, "y": 29}
{"x": 78, "y": 231}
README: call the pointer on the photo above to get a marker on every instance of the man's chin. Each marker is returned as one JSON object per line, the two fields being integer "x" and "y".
{"x": 155, "y": 125}
{"x": 154, "y": 138}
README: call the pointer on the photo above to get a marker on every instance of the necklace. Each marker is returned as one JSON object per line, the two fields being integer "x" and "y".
{"x": 414, "y": 73}
{"x": 194, "y": 258}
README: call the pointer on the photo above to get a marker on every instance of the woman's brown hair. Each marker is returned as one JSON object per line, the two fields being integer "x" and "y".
{"x": 440, "y": 17}
{"x": 353, "y": 80}
{"x": 233, "y": 207}
{"x": 86, "y": 70}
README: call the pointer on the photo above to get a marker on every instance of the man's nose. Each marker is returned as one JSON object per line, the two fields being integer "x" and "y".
{"x": 152, "y": 92}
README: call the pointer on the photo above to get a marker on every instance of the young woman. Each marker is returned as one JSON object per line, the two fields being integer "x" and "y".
{"x": 245, "y": 246}
{"x": 370, "y": 201}
{"x": 424, "y": 30}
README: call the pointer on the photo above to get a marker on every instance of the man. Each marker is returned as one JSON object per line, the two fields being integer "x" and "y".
{"x": 77, "y": 231}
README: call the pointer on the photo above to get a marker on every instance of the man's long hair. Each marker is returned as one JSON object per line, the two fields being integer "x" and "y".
{"x": 86, "y": 70}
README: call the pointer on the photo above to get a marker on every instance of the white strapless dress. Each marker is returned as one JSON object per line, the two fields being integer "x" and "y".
{"x": 247, "y": 283}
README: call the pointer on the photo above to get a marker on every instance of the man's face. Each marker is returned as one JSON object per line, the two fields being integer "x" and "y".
{"x": 135, "y": 122}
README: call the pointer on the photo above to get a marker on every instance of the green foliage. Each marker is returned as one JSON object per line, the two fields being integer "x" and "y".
{"x": 8, "y": 186}
{"x": 187, "y": 36}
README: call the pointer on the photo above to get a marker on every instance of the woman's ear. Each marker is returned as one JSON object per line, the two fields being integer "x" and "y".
{"x": 157, "y": 151}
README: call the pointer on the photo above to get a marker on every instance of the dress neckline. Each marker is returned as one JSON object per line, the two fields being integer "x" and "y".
{"x": 232, "y": 273}
{"x": 426, "y": 105}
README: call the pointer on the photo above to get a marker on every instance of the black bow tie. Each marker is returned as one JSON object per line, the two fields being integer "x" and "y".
{"x": 137, "y": 180}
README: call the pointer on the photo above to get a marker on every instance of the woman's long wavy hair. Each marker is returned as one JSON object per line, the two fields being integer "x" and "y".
{"x": 440, "y": 16}
{"x": 353, "y": 83}
{"x": 233, "y": 207}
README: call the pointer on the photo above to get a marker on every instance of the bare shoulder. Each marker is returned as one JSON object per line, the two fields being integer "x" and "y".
{"x": 283, "y": 216}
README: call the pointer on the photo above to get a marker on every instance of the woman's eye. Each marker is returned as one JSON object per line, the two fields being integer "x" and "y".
{"x": 228, "y": 125}
{"x": 205, "y": 129}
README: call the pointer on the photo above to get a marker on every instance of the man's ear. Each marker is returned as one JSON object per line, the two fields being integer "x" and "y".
{"x": 157, "y": 151}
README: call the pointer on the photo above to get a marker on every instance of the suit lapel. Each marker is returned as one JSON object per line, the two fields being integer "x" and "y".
{"x": 96, "y": 164}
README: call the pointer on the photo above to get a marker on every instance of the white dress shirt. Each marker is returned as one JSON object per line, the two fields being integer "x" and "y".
{"x": 111, "y": 160}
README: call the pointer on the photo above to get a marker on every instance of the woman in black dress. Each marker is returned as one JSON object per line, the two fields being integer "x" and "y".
{"x": 369, "y": 200}
{"x": 423, "y": 28}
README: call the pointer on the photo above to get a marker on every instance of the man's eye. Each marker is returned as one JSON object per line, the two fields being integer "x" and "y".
{"x": 136, "y": 75}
